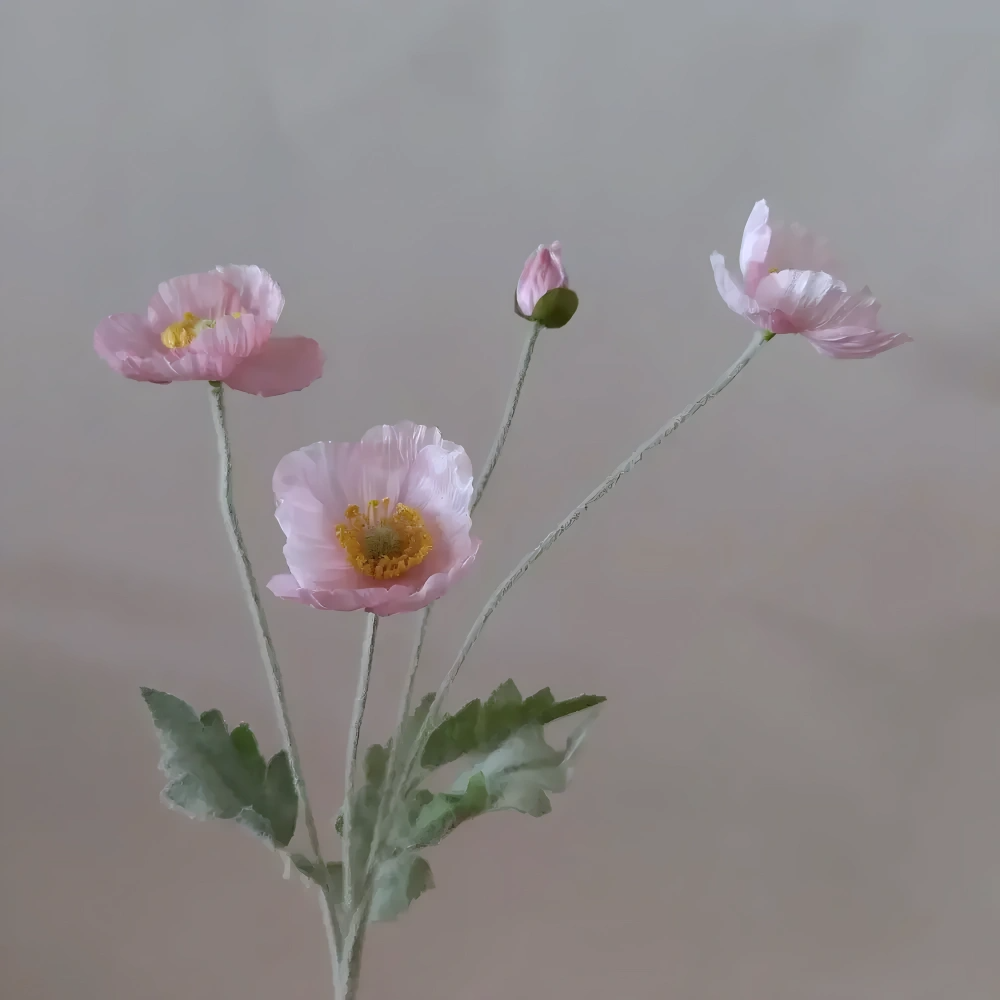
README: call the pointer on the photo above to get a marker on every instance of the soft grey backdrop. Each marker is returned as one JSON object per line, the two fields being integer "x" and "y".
{"x": 793, "y": 793}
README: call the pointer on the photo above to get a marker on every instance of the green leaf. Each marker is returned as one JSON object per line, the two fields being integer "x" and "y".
{"x": 481, "y": 728}
{"x": 411, "y": 728}
{"x": 281, "y": 798}
{"x": 522, "y": 772}
{"x": 398, "y": 883}
{"x": 519, "y": 774}
{"x": 376, "y": 759}
{"x": 363, "y": 815}
{"x": 443, "y": 811}
{"x": 312, "y": 870}
{"x": 214, "y": 774}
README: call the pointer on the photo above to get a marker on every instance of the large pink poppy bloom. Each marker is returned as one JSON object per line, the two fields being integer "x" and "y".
{"x": 216, "y": 326}
{"x": 787, "y": 289}
{"x": 381, "y": 524}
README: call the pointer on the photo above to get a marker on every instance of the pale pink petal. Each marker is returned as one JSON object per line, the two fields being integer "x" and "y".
{"x": 125, "y": 336}
{"x": 440, "y": 480}
{"x": 311, "y": 476}
{"x": 310, "y": 504}
{"x": 794, "y": 301}
{"x": 753, "y": 249}
{"x": 259, "y": 292}
{"x": 795, "y": 248}
{"x": 854, "y": 341}
{"x": 382, "y": 600}
{"x": 543, "y": 271}
{"x": 732, "y": 294}
{"x": 383, "y": 459}
{"x": 186, "y": 366}
{"x": 858, "y": 309}
{"x": 206, "y": 295}
{"x": 453, "y": 545}
{"x": 285, "y": 586}
{"x": 283, "y": 364}
{"x": 131, "y": 347}
{"x": 404, "y": 440}
{"x": 237, "y": 336}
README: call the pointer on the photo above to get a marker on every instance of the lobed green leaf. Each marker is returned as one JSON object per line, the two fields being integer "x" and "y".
{"x": 214, "y": 774}
{"x": 480, "y": 727}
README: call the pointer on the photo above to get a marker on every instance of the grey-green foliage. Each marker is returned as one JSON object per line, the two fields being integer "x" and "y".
{"x": 398, "y": 882}
{"x": 480, "y": 727}
{"x": 511, "y": 766}
{"x": 400, "y": 878}
{"x": 312, "y": 870}
{"x": 519, "y": 774}
{"x": 214, "y": 773}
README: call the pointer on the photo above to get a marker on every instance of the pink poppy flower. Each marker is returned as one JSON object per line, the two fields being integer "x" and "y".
{"x": 215, "y": 326}
{"x": 381, "y": 524}
{"x": 787, "y": 289}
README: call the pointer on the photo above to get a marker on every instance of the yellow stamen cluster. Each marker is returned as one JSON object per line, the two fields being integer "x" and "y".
{"x": 182, "y": 333}
{"x": 384, "y": 543}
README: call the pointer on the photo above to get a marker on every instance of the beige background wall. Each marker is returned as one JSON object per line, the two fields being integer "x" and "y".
{"x": 794, "y": 792}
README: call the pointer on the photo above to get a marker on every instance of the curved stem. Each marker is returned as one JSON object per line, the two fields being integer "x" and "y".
{"x": 350, "y": 766}
{"x": 266, "y": 646}
{"x": 484, "y": 477}
{"x": 759, "y": 339}
{"x": 508, "y": 417}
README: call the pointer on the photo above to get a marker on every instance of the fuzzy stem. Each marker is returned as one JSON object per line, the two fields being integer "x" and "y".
{"x": 484, "y": 477}
{"x": 350, "y": 970}
{"x": 508, "y": 417}
{"x": 759, "y": 339}
{"x": 267, "y": 653}
{"x": 350, "y": 765}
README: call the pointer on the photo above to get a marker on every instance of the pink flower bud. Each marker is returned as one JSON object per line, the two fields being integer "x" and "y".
{"x": 543, "y": 272}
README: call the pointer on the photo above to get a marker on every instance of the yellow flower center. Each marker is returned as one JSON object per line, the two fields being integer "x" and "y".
{"x": 381, "y": 542}
{"x": 773, "y": 270}
{"x": 183, "y": 332}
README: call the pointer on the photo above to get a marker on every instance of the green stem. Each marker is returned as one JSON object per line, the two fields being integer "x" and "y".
{"x": 508, "y": 417}
{"x": 484, "y": 477}
{"x": 353, "y": 949}
{"x": 602, "y": 490}
{"x": 351, "y": 876}
{"x": 267, "y": 651}
{"x": 406, "y": 702}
